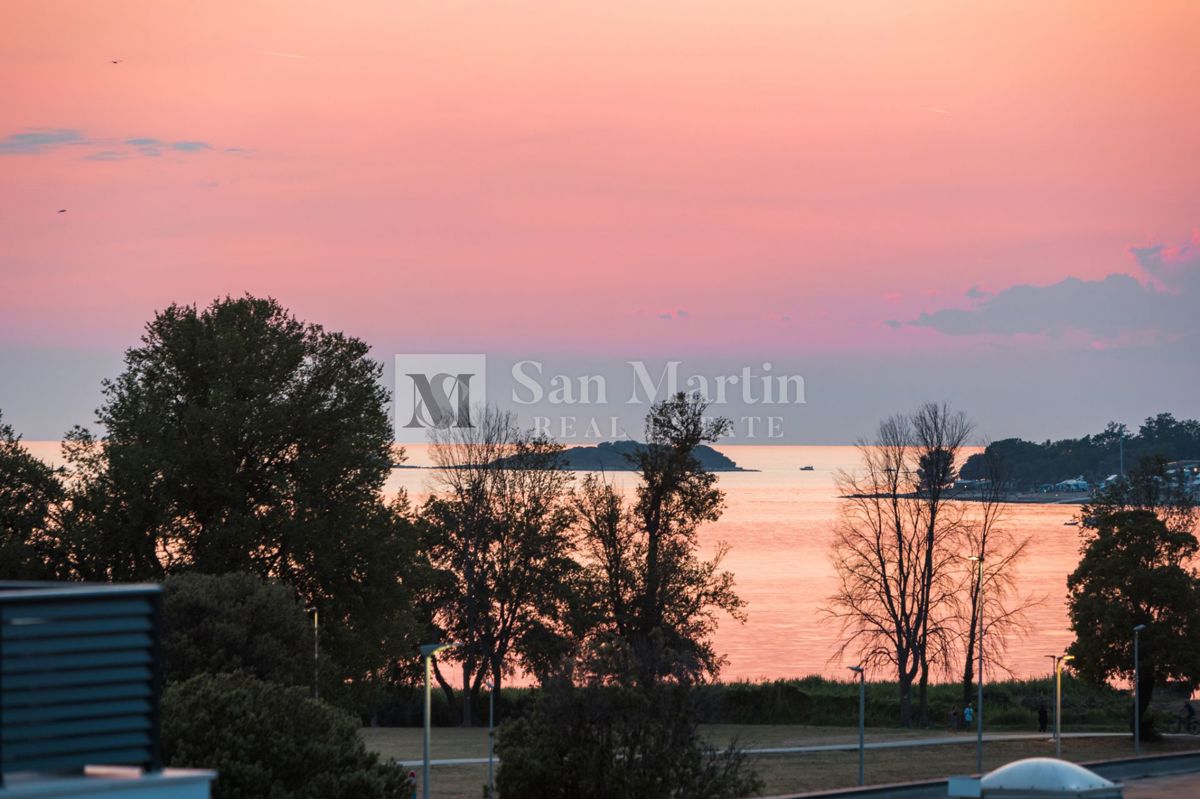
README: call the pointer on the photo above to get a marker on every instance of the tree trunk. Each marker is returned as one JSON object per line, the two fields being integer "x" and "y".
{"x": 467, "y": 720}
{"x": 923, "y": 693}
{"x": 968, "y": 681}
{"x": 905, "y": 700}
{"x": 447, "y": 688}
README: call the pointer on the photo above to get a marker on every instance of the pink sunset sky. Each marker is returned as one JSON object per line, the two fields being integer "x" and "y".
{"x": 878, "y": 189}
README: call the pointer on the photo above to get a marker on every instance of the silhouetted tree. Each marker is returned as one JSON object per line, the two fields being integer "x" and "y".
{"x": 270, "y": 741}
{"x": 906, "y": 592}
{"x": 656, "y": 602}
{"x": 235, "y": 623}
{"x": 983, "y": 535}
{"x": 617, "y": 741}
{"x": 497, "y": 532}
{"x": 1138, "y": 549}
{"x": 241, "y": 439}
{"x": 29, "y": 492}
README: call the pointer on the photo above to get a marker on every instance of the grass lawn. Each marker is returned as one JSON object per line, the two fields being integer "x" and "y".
{"x": 782, "y": 773}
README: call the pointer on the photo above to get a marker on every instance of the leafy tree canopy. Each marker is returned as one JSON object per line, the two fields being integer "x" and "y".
{"x": 243, "y": 440}
{"x": 616, "y": 742}
{"x": 267, "y": 741}
{"x": 1134, "y": 570}
{"x": 29, "y": 490}
{"x": 235, "y": 622}
{"x": 1095, "y": 457}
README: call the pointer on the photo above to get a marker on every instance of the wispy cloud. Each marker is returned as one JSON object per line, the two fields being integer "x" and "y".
{"x": 154, "y": 147}
{"x": 39, "y": 140}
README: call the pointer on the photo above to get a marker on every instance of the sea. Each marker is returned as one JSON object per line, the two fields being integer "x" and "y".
{"x": 778, "y": 523}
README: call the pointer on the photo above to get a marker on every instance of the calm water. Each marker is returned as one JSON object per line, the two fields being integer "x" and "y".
{"x": 777, "y": 521}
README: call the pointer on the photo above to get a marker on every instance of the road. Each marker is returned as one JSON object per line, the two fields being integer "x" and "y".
{"x": 904, "y": 743}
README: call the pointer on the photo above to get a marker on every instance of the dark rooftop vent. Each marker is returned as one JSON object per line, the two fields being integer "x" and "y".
{"x": 80, "y": 677}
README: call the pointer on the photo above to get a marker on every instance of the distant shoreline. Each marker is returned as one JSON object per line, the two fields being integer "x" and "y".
{"x": 1018, "y": 498}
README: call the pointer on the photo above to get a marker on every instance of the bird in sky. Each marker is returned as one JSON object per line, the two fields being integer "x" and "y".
{"x": 62, "y": 210}
{"x": 117, "y": 61}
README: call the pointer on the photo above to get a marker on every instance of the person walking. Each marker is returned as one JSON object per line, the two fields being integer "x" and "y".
{"x": 968, "y": 715}
{"x": 954, "y": 718}
{"x": 1043, "y": 716}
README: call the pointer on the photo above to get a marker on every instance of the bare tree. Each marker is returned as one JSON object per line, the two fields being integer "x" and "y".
{"x": 986, "y": 540}
{"x": 498, "y": 534}
{"x": 900, "y": 550}
{"x": 908, "y": 593}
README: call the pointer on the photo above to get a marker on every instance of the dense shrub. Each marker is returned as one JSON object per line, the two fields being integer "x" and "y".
{"x": 267, "y": 741}
{"x": 616, "y": 743}
{"x": 235, "y": 622}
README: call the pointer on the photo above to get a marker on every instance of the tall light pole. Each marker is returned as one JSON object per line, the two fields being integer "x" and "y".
{"x": 1053, "y": 668}
{"x": 1058, "y": 704}
{"x": 427, "y": 652}
{"x": 1137, "y": 705}
{"x": 862, "y": 710}
{"x": 979, "y": 680}
{"x": 316, "y": 654}
{"x": 491, "y": 687}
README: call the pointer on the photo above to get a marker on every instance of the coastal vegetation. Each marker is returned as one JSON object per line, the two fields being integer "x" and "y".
{"x": 1116, "y": 450}
{"x": 1137, "y": 571}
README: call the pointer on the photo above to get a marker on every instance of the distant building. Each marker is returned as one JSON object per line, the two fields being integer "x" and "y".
{"x": 1074, "y": 484}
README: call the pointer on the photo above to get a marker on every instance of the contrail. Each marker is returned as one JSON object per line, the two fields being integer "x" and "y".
{"x": 288, "y": 55}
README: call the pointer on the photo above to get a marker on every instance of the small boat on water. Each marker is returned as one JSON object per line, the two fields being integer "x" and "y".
{"x": 806, "y": 468}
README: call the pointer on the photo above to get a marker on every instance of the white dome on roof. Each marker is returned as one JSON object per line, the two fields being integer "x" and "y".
{"x": 1046, "y": 776}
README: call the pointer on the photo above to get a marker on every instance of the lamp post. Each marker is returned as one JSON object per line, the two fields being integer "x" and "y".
{"x": 427, "y": 652}
{"x": 1137, "y": 705}
{"x": 1053, "y": 668}
{"x": 979, "y": 681}
{"x": 1058, "y": 704}
{"x": 862, "y": 709}
{"x": 316, "y": 654}
{"x": 491, "y": 687}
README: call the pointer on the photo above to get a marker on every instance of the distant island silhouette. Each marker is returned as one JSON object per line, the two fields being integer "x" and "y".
{"x": 616, "y": 456}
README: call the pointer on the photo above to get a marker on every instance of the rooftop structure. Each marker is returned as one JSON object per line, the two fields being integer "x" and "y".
{"x": 80, "y": 680}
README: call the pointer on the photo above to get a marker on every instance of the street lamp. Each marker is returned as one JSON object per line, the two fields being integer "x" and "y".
{"x": 427, "y": 652}
{"x": 862, "y": 709}
{"x": 1053, "y": 668}
{"x": 491, "y": 687}
{"x": 316, "y": 654}
{"x": 1058, "y": 704}
{"x": 979, "y": 638}
{"x": 1137, "y": 705}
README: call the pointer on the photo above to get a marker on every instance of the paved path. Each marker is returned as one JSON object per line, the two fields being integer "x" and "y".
{"x": 898, "y": 743}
